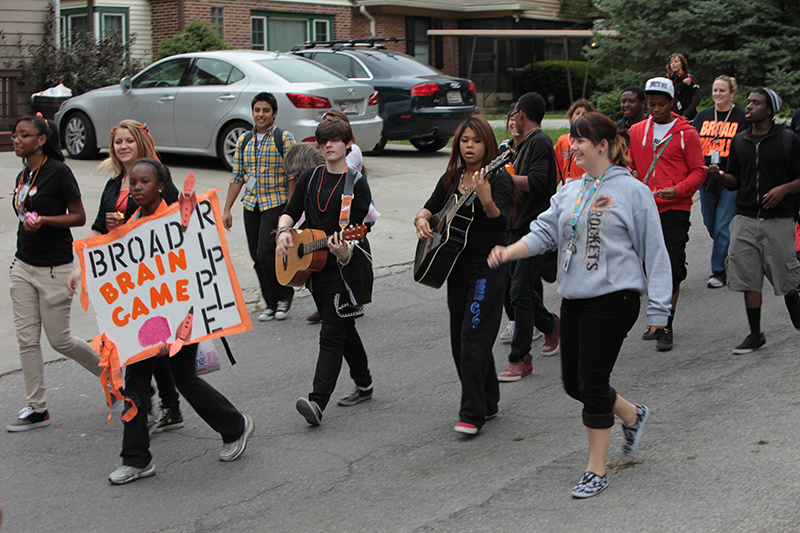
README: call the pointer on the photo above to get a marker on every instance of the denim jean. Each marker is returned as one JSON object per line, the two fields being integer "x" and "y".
{"x": 718, "y": 211}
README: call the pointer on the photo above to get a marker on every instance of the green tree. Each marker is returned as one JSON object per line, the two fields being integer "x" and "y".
{"x": 198, "y": 37}
{"x": 753, "y": 41}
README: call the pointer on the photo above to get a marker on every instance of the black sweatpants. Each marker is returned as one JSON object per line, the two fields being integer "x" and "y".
{"x": 475, "y": 295}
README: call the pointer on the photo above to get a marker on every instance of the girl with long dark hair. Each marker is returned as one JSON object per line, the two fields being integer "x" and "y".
{"x": 474, "y": 291}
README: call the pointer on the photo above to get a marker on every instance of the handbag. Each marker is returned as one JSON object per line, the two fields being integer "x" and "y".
{"x": 207, "y": 359}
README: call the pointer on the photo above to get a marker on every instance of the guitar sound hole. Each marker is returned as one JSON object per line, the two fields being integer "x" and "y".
{"x": 300, "y": 252}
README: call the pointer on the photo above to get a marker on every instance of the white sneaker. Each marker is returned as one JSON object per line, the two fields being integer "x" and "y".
{"x": 126, "y": 474}
{"x": 282, "y": 310}
{"x": 536, "y": 334}
{"x": 508, "y": 334}
{"x": 267, "y": 315}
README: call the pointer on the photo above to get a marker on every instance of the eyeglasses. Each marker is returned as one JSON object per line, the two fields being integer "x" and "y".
{"x": 512, "y": 115}
{"x": 22, "y": 136}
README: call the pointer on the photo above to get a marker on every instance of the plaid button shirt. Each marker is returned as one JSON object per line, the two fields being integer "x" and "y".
{"x": 262, "y": 161}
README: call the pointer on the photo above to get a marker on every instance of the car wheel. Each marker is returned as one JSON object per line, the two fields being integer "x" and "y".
{"x": 79, "y": 137}
{"x": 226, "y": 145}
{"x": 429, "y": 145}
{"x": 378, "y": 148}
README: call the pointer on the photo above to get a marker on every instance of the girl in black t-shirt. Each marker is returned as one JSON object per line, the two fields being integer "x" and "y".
{"x": 475, "y": 292}
{"x": 48, "y": 203}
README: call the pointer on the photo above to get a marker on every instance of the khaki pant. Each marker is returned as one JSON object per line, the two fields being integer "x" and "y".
{"x": 40, "y": 298}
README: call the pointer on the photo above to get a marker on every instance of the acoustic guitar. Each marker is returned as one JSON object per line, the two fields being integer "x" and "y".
{"x": 436, "y": 256}
{"x": 309, "y": 254}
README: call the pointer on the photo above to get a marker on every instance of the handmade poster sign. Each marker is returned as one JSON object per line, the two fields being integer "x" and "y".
{"x": 163, "y": 279}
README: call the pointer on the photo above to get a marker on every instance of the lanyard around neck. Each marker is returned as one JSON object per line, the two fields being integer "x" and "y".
{"x": 579, "y": 205}
{"x": 717, "y": 130}
{"x": 23, "y": 189}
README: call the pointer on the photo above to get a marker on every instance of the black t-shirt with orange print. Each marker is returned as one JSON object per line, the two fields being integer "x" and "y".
{"x": 716, "y": 133}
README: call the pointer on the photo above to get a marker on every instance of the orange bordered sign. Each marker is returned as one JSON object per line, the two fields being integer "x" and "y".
{"x": 165, "y": 278}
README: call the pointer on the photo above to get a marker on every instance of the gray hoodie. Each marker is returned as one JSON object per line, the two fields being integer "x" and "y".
{"x": 619, "y": 231}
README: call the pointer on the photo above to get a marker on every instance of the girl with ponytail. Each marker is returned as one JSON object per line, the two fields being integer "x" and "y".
{"x": 605, "y": 226}
{"x": 48, "y": 203}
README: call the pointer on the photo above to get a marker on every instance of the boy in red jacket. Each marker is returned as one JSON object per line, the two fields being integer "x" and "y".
{"x": 666, "y": 155}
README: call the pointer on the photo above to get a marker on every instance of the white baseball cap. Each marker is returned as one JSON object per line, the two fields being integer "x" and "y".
{"x": 660, "y": 85}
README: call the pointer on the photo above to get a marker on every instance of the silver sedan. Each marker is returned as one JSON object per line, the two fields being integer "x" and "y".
{"x": 200, "y": 103}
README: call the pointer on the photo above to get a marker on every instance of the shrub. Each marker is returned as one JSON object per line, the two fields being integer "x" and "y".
{"x": 84, "y": 65}
{"x": 550, "y": 77}
{"x": 198, "y": 37}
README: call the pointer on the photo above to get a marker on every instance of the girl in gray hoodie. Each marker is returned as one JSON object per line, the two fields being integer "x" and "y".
{"x": 605, "y": 228}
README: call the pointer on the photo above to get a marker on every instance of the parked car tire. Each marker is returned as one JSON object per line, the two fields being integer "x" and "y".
{"x": 78, "y": 137}
{"x": 226, "y": 144}
{"x": 430, "y": 145}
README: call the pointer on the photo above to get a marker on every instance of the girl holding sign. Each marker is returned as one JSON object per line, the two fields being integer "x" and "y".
{"x": 47, "y": 201}
{"x": 128, "y": 142}
{"x": 148, "y": 181}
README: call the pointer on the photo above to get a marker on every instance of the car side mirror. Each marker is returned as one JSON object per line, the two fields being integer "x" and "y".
{"x": 125, "y": 84}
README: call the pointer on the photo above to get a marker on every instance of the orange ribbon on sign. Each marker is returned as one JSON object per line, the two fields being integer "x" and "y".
{"x": 111, "y": 377}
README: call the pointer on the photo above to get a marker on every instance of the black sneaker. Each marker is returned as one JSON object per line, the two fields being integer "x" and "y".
{"x": 357, "y": 396}
{"x": 310, "y": 411}
{"x": 170, "y": 419}
{"x": 647, "y": 336}
{"x": 28, "y": 418}
{"x": 633, "y": 434}
{"x": 664, "y": 341}
{"x": 751, "y": 343}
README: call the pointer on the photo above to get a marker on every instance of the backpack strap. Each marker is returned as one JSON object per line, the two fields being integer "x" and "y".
{"x": 277, "y": 137}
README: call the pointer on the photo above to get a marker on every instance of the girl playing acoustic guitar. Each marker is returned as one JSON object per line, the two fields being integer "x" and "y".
{"x": 344, "y": 285}
{"x": 475, "y": 292}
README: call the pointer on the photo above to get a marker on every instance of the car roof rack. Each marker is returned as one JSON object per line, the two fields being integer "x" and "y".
{"x": 350, "y": 43}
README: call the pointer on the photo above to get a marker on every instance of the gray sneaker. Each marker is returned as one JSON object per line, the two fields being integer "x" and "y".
{"x": 357, "y": 396}
{"x": 232, "y": 450}
{"x": 310, "y": 411}
{"x": 126, "y": 474}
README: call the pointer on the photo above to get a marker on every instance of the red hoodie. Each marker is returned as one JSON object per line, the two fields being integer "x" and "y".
{"x": 681, "y": 165}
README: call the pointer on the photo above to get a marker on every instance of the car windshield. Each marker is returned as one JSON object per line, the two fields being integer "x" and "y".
{"x": 299, "y": 71}
{"x": 398, "y": 64}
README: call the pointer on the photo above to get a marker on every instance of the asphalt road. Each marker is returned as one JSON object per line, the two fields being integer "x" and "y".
{"x": 719, "y": 452}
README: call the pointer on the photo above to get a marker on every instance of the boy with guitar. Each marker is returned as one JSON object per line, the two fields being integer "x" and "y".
{"x": 333, "y": 196}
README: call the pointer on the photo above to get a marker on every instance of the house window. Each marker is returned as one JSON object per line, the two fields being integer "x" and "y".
{"x": 322, "y": 30}
{"x": 258, "y": 33}
{"x": 74, "y": 23}
{"x": 74, "y": 27}
{"x": 418, "y": 44}
{"x": 113, "y": 22}
{"x": 282, "y": 31}
{"x": 218, "y": 21}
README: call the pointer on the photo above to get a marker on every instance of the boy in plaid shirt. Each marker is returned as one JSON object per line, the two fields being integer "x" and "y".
{"x": 258, "y": 166}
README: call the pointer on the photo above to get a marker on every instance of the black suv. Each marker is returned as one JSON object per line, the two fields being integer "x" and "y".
{"x": 415, "y": 101}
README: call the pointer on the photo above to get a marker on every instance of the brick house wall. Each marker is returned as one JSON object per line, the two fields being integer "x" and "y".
{"x": 348, "y": 23}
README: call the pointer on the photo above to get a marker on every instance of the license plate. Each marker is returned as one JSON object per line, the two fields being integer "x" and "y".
{"x": 454, "y": 97}
{"x": 348, "y": 108}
